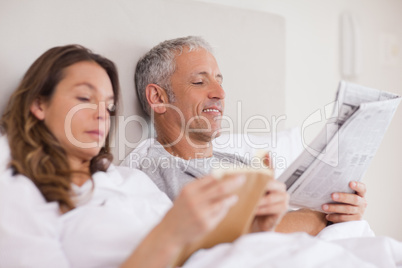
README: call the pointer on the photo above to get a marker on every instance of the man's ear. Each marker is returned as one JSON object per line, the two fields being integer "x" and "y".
{"x": 38, "y": 109}
{"x": 157, "y": 98}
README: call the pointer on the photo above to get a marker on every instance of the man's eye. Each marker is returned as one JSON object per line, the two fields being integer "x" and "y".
{"x": 198, "y": 83}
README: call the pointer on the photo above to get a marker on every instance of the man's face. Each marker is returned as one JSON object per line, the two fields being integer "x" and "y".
{"x": 197, "y": 85}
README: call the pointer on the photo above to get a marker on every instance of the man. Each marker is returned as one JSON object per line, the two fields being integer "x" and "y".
{"x": 179, "y": 85}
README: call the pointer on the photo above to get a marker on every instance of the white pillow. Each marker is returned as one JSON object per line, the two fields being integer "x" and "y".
{"x": 4, "y": 154}
{"x": 284, "y": 147}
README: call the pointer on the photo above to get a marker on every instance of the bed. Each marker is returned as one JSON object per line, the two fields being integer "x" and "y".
{"x": 249, "y": 47}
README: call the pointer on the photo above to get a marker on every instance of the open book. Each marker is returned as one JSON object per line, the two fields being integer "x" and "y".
{"x": 345, "y": 147}
{"x": 239, "y": 218}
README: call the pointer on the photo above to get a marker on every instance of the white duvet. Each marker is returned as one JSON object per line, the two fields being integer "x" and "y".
{"x": 341, "y": 245}
{"x": 350, "y": 244}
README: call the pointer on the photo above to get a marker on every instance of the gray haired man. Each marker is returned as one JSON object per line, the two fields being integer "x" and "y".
{"x": 179, "y": 85}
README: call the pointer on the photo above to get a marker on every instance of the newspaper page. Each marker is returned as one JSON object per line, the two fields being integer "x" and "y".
{"x": 343, "y": 150}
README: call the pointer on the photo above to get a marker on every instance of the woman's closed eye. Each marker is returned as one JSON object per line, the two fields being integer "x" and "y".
{"x": 83, "y": 99}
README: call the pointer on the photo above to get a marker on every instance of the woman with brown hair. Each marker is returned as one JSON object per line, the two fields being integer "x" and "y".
{"x": 63, "y": 204}
{"x": 36, "y": 134}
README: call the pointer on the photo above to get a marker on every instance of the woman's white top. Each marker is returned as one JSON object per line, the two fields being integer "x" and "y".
{"x": 108, "y": 223}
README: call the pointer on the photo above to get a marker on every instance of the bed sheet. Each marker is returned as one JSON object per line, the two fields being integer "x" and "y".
{"x": 352, "y": 244}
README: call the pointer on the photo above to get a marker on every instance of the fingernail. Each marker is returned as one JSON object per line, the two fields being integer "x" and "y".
{"x": 353, "y": 184}
{"x": 335, "y": 196}
{"x": 325, "y": 207}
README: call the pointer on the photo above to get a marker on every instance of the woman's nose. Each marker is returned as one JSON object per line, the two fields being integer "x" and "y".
{"x": 101, "y": 111}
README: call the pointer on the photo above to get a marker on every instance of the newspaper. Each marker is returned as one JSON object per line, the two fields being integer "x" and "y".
{"x": 343, "y": 150}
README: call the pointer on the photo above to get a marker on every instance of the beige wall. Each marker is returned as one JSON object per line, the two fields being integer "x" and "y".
{"x": 124, "y": 30}
{"x": 313, "y": 73}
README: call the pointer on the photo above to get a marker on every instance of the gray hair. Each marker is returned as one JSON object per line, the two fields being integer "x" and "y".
{"x": 158, "y": 65}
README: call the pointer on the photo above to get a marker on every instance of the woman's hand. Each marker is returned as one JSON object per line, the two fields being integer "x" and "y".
{"x": 201, "y": 205}
{"x": 272, "y": 207}
{"x": 351, "y": 207}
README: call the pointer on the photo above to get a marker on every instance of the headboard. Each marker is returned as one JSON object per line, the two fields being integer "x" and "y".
{"x": 249, "y": 47}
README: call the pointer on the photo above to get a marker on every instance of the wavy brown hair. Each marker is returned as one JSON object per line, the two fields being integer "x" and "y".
{"x": 35, "y": 152}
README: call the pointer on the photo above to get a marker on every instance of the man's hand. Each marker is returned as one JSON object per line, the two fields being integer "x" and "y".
{"x": 351, "y": 207}
{"x": 271, "y": 208}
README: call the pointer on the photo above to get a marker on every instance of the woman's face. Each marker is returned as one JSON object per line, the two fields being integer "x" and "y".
{"x": 78, "y": 112}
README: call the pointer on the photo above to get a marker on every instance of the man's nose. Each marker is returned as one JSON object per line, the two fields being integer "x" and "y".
{"x": 216, "y": 91}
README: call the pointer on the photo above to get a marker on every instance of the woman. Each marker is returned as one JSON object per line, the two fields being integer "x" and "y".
{"x": 63, "y": 204}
